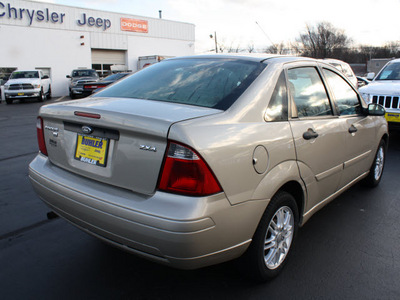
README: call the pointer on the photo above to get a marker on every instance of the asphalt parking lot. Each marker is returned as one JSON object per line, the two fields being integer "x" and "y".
{"x": 348, "y": 250}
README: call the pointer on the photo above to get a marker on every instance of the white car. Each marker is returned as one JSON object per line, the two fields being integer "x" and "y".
{"x": 344, "y": 68}
{"x": 385, "y": 90}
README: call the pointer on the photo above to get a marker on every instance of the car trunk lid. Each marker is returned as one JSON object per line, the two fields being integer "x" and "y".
{"x": 116, "y": 141}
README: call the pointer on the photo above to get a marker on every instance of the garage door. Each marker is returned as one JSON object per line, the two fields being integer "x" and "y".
{"x": 102, "y": 60}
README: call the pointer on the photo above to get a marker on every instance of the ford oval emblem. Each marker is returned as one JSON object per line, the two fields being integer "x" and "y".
{"x": 87, "y": 129}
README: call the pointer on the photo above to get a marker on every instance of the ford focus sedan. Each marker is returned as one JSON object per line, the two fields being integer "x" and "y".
{"x": 199, "y": 160}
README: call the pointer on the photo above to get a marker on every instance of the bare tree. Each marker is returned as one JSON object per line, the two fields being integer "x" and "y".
{"x": 283, "y": 48}
{"x": 250, "y": 48}
{"x": 322, "y": 40}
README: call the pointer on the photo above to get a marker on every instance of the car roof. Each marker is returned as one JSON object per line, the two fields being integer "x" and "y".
{"x": 396, "y": 60}
{"x": 257, "y": 57}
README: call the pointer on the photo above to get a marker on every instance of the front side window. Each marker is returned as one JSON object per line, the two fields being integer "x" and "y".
{"x": 308, "y": 92}
{"x": 390, "y": 72}
{"x": 345, "y": 97}
{"x": 215, "y": 83}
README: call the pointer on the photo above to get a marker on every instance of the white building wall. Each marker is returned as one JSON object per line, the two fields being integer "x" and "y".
{"x": 32, "y": 39}
{"x": 42, "y": 48}
{"x": 165, "y": 47}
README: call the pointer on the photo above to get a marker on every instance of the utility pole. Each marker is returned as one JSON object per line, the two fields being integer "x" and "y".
{"x": 215, "y": 40}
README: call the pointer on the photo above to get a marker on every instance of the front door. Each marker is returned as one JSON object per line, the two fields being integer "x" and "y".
{"x": 319, "y": 135}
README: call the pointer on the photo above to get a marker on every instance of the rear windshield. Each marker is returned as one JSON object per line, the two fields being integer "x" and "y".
{"x": 214, "y": 83}
{"x": 390, "y": 72}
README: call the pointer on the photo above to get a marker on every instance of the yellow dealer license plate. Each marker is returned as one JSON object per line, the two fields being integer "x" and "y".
{"x": 392, "y": 117}
{"x": 21, "y": 94}
{"x": 92, "y": 150}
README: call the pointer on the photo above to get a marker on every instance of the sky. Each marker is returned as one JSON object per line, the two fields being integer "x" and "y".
{"x": 241, "y": 23}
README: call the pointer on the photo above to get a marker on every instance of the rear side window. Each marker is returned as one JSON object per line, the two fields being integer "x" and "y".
{"x": 345, "y": 97}
{"x": 215, "y": 83}
{"x": 278, "y": 105}
{"x": 308, "y": 92}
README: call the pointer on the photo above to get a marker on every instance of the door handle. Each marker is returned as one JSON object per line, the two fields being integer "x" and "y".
{"x": 310, "y": 134}
{"x": 352, "y": 129}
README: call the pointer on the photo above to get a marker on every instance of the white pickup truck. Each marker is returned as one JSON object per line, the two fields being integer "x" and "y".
{"x": 27, "y": 84}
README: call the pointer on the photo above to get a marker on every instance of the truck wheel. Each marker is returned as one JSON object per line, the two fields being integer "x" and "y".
{"x": 42, "y": 96}
{"x": 71, "y": 94}
{"x": 49, "y": 93}
{"x": 9, "y": 101}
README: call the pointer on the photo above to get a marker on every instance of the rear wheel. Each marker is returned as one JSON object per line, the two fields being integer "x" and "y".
{"x": 375, "y": 173}
{"x": 9, "y": 101}
{"x": 274, "y": 238}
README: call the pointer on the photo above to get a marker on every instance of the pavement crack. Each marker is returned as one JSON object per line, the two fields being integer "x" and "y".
{"x": 23, "y": 230}
{"x": 17, "y": 156}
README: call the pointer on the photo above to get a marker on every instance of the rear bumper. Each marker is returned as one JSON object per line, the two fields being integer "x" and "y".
{"x": 180, "y": 231}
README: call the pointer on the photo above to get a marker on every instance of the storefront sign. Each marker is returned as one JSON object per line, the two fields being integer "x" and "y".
{"x": 134, "y": 25}
{"x": 46, "y": 15}
{"x": 6, "y": 10}
{"x": 91, "y": 21}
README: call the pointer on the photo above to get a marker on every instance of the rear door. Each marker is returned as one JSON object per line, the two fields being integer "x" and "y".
{"x": 319, "y": 134}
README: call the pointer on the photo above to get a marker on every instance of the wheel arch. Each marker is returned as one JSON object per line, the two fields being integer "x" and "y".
{"x": 385, "y": 137}
{"x": 283, "y": 177}
{"x": 296, "y": 190}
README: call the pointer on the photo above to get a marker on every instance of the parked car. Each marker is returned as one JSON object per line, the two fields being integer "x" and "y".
{"x": 27, "y": 84}
{"x": 78, "y": 78}
{"x": 385, "y": 90}
{"x": 344, "y": 68}
{"x": 90, "y": 88}
{"x": 199, "y": 160}
{"x": 362, "y": 81}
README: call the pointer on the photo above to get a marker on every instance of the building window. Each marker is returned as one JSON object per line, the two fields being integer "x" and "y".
{"x": 5, "y": 74}
{"x": 102, "y": 69}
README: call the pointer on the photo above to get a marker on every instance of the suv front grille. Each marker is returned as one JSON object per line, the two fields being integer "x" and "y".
{"x": 387, "y": 101}
{"x": 23, "y": 86}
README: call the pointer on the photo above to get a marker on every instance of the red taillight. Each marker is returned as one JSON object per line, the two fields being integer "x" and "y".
{"x": 185, "y": 172}
{"x": 40, "y": 135}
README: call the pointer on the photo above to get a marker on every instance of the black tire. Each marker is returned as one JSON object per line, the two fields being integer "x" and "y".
{"x": 42, "y": 96}
{"x": 9, "y": 101}
{"x": 49, "y": 93}
{"x": 375, "y": 173}
{"x": 260, "y": 262}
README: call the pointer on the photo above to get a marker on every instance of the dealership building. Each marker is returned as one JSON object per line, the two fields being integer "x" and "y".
{"x": 57, "y": 39}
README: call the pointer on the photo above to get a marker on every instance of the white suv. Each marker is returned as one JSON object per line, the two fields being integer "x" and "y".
{"x": 385, "y": 90}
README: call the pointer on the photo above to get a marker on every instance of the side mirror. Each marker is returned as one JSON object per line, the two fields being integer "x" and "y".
{"x": 370, "y": 76}
{"x": 68, "y": 76}
{"x": 375, "y": 109}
